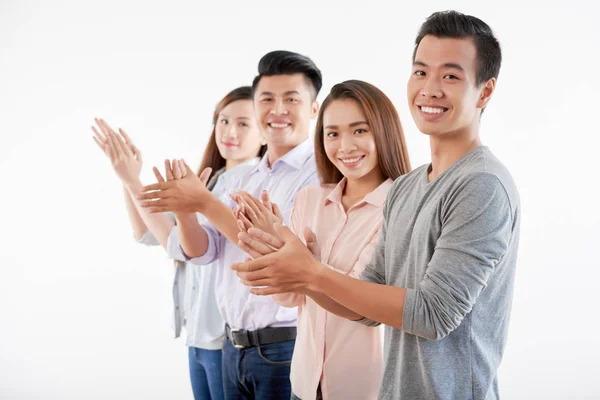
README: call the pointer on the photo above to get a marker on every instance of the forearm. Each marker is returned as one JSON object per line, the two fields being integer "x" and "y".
{"x": 137, "y": 223}
{"x": 333, "y": 306}
{"x": 221, "y": 217}
{"x": 192, "y": 237}
{"x": 381, "y": 303}
{"x": 159, "y": 224}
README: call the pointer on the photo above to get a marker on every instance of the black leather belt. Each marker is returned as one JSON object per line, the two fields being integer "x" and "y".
{"x": 242, "y": 339}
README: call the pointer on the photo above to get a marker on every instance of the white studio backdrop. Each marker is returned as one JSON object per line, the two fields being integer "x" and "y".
{"x": 84, "y": 311}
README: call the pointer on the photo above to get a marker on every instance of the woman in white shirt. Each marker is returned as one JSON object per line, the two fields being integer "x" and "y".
{"x": 234, "y": 145}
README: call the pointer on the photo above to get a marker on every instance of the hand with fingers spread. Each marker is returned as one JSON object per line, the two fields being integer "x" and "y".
{"x": 125, "y": 158}
{"x": 254, "y": 213}
{"x": 185, "y": 193}
{"x": 291, "y": 268}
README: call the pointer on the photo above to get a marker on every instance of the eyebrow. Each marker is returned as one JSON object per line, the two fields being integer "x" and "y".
{"x": 353, "y": 124}
{"x": 284, "y": 93}
{"x": 446, "y": 65}
{"x": 227, "y": 116}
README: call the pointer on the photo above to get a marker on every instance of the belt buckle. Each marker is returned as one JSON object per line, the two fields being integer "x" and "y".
{"x": 235, "y": 331}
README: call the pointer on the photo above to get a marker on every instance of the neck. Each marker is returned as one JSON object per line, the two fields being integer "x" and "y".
{"x": 445, "y": 151}
{"x": 356, "y": 190}
{"x": 234, "y": 163}
{"x": 275, "y": 152}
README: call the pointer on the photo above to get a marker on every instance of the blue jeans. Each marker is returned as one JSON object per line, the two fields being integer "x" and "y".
{"x": 258, "y": 372}
{"x": 206, "y": 373}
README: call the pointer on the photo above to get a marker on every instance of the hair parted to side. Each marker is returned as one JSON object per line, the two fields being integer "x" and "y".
{"x": 282, "y": 62}
{"x": 212, "y": 157}
{"x": 383, "y": 121}
{"x": 455, "y": 25}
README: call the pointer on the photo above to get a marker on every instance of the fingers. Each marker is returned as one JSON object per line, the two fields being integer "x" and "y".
{"x": 203, "y": 176}
{"x": 248, "y": 209}
{"x": 265, "y": 237}
{"x": 245, "y": 221}
{"x": 311, "y": 242}
{"x": 155, "y": 191}
{"x": 240, "y": 224}
{"x": 153, "y": 202}
{"x": 182, "y": 168}
{"x": 126, "y": 137}
{"x": 159, "y": 177}
{"x": 99, "y": 136}
{"x": 267, "y": 291}
{"x": 100, "y": 144}
{"x": 112, "y": 147}
{"x": 177, "y": 173}
{"x": 266, "y": 200}
{"x": 277, "y": 211}
{"x": 255, "y": 207}
{"x": 309, "y": 235}
{"x": 168, "y": 171}
{"x": 256, "y": 245}
{"x": 136, "y": 153}
{"x": 253, "y": 253}
{"x": 250, "y": 266}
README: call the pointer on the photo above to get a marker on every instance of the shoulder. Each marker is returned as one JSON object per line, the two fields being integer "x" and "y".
{"x": 312, "y": 195}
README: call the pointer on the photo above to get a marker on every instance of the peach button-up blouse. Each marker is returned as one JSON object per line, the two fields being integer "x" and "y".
{"x": 343, "y": 356}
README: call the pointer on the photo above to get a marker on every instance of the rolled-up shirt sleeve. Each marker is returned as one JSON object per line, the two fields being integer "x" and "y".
{"x": 216, "y": 243}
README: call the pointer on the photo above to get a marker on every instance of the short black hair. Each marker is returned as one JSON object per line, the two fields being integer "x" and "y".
{"x": 455, "y": 25}
{"x": 282, "y": 62}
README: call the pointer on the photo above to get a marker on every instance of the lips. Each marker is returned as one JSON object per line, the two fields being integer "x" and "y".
{"x": 227, "y": 144}
{"x": 351, "y": 161}
{"x": 432, "y": 112}
{"x": 279, "y": 124}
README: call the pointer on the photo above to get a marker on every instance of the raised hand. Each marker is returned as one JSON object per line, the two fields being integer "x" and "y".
{"x": 125, "y": 158}
{"x": 184, "y": 193}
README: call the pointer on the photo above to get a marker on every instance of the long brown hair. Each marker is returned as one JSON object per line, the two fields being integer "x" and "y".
{"x": 212, "y": 158}
{"x": 382, "y": 117}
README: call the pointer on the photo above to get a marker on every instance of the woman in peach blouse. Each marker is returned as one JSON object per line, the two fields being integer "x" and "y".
{"x": 359, "y": 150}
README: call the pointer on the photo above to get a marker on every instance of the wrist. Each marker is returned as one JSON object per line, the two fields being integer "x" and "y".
{"x": 185, "y": 217}
{"x": 317, "y": 276}
{"x": 207, "y": 203}
{"x": 134, "y": 187}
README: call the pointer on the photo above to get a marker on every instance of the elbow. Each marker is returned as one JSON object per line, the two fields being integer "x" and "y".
{"x": 434, "y": 334}
{"x": 434, "y": 317}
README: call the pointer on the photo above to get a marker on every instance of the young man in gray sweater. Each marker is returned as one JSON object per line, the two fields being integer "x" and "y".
{"x": 441, "y": 277}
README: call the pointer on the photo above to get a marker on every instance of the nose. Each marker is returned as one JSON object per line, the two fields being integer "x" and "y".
{"x": 432, "y": 88}
{"x": 231, "y": 131}
{"x": 278, "y": 107}
{"x": 348, "y": 143}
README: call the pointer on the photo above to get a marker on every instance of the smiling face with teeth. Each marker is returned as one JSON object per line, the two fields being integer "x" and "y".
{"x": 443, "y": 95}
{"x": 349, "y": 142}
{"x": 284, "y": 106}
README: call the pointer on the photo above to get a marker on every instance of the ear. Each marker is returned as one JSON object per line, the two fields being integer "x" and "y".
{"x": 486, "y": 92}
{"x": 315, "y": 109}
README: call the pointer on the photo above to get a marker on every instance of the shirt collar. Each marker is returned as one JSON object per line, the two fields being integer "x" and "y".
{"x": 376, "y": 197}
{"x": 295, "y": 158}
{"x": 232, "y": 171}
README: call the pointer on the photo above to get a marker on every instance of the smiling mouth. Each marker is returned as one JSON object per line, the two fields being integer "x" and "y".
{"x": 433, "y": 110}
{"x": 228, "y": 144}
{"x": 276, "y": 125}
{"x": 351, "y": 161}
